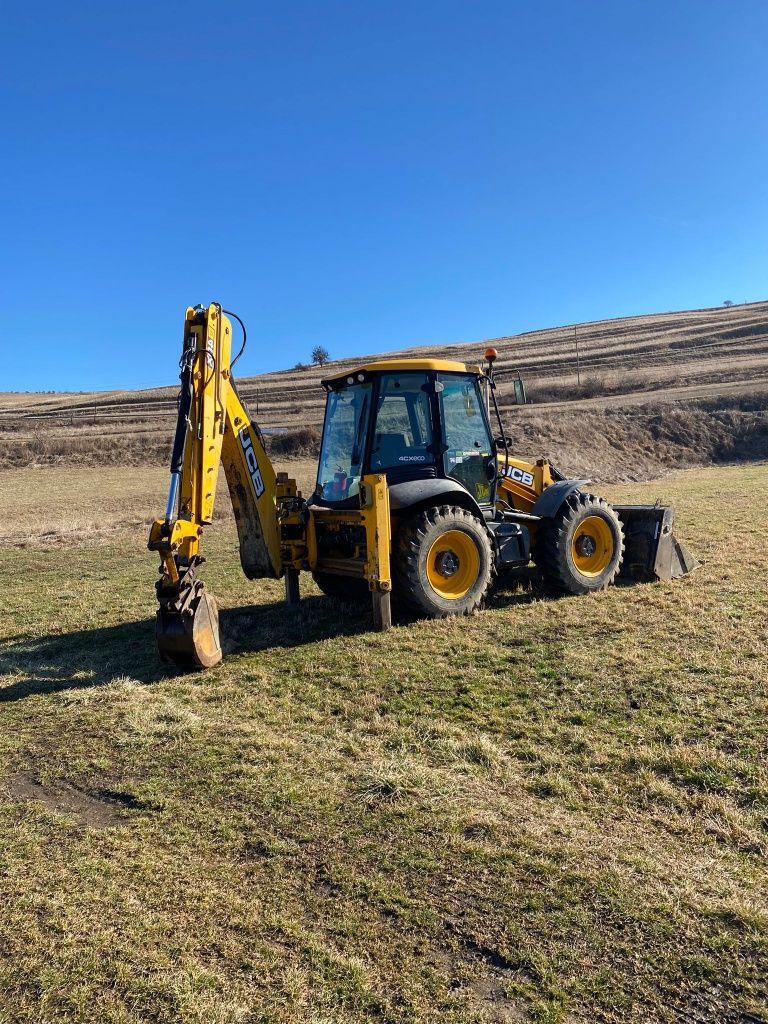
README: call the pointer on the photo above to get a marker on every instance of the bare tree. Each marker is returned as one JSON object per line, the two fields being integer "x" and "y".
{"x": 320, "y": 355}
{"x": 728, "y": 302}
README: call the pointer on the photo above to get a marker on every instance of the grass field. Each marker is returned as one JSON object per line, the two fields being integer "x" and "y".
{"x": 554, "y": 811}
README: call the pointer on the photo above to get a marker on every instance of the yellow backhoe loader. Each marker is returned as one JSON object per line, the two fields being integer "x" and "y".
{"x": 416, "y": 497}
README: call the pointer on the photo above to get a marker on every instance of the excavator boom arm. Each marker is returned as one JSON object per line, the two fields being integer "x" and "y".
{"x": 252, "y": 485}
{"x": 212, "y": 427}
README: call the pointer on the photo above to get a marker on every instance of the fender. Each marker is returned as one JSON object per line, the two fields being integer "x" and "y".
{"x": 411, "y": 493}
{"x": 552, "y": 497}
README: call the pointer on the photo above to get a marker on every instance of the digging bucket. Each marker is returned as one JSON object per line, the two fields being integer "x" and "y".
{"x": 188, "y": 638}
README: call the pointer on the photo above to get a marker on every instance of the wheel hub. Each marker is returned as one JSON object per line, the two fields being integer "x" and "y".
{"x": 586, "y": 545}
{"x": 447, "y": 563}
{"x": 453, "y": 564}
{"x": 593, "y": 545}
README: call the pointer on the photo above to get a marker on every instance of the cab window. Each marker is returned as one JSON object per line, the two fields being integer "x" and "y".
{"x": 403, "y": 430}
{"x": 467, "y": 436}
{"x": 344, "y": 436}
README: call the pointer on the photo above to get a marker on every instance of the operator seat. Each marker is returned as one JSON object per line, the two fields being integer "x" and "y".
{"x": 387, "y": 450}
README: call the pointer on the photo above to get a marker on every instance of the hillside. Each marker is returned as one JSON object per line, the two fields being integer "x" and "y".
{"x": 679, "y": 387}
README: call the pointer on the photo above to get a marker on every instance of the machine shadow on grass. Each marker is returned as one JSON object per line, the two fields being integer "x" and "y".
{"x": 95, "y": 657}
{"x": 85, "y": 658}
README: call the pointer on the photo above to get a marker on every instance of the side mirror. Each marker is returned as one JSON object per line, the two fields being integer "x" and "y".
{"x": 519, "y": 387}
{"x": 500, "y": 445}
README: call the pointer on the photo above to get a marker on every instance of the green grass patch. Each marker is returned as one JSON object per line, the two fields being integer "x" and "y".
{"x": 552, "y": 811}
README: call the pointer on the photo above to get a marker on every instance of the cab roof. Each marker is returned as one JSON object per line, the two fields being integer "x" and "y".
{"x": 403, "y": 366}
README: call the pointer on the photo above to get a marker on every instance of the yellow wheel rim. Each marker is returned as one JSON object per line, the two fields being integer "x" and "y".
{"x": 453, "y": 565}
{"x": 592, "y": 546}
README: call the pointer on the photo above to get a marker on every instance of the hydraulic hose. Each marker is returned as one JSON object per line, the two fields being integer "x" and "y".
{"x": 182, "y": 420}
{"x": 229, "y": 312}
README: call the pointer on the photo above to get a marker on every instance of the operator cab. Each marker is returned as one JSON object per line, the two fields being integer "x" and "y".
{"x": 412, "y": 420}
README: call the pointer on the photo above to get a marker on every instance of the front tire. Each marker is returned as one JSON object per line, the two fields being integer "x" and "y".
{"x": 581, "y": 548}
{"x": 444, "y": 563}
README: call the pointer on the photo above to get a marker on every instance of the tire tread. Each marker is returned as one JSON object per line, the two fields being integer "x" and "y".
{"x": 410, "y": 542}
{"x": 552, "y": 543}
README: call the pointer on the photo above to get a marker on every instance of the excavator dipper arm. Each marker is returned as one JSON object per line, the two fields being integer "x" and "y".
{"x": 212, "y": 428}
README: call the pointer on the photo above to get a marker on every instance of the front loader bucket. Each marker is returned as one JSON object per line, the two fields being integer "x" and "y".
{"x": 651, "y": 550}
{"x": 188, "y": 637}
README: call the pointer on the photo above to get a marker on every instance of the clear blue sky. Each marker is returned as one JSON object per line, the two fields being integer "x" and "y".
{"x": 368, "y": 175}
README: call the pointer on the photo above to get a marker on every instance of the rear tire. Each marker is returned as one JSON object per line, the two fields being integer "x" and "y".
{"x": 581, "y": 548}
{"x": 443, "y": 563}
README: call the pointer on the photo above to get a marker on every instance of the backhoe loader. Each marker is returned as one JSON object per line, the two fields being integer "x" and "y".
{"x": 416, "y": 497}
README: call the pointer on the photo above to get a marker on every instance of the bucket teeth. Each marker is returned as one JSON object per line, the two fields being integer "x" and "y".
{"x": 187, "y": 625}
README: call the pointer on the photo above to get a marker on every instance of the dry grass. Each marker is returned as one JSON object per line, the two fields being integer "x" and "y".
{"x": 57, "y": 505}
{"x": 555, "y": 811}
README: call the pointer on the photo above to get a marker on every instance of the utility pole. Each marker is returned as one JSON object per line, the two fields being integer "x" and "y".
{"x": 578, "y": 363}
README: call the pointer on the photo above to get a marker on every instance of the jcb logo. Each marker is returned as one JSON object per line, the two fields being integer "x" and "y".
{"x": 251, "y": 461}
{"x": 519, "y": 475}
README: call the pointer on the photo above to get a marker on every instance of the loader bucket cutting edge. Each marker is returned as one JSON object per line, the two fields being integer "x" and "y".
{"x": 190, "y": 639}
{"x": 651, "y": 550}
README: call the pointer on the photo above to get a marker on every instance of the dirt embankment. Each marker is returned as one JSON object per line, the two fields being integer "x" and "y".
{"x": 141, "y": 449}
{"x": 640, "y": 442}
{"x": 634, "y": 442}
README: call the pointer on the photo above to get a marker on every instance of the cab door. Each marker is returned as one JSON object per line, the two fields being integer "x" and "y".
{"x": 402, "y": 441}
{"x": 469, "y": 454}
